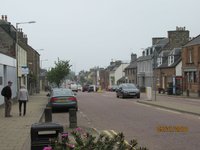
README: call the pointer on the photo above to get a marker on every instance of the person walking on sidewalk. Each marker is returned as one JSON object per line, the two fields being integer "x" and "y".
{"x": 22, "y": 98}
{"x": 7, "y": 93}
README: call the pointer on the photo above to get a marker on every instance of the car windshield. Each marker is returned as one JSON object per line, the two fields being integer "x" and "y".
{"x": 62, "y": 92}
{"x": 129, "y": 86}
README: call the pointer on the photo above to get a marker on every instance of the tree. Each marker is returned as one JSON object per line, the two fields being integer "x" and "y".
{"x": 57, "y": 74}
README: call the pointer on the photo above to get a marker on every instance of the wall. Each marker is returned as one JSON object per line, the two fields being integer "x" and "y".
{"x": 179, "y": 69}
{"x": 119, "y": 73}
{"x": 8, "y": 72}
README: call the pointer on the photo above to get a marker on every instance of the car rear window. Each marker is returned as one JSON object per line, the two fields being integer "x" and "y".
{"x": 62, "y": 93}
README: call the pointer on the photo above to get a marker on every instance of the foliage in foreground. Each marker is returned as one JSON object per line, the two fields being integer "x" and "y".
{"x": 81, "y": 140}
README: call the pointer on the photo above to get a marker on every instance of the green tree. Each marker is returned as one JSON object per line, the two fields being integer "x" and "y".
{"x": 57, "y": 74}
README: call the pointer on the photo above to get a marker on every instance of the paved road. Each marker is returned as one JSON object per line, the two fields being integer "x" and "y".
{"x": 104, "y": 111}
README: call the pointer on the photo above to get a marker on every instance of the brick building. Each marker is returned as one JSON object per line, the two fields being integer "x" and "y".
{"x": 191, "y": 65}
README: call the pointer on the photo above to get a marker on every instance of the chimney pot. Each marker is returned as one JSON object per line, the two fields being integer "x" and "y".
{"x": 5, "y": 17}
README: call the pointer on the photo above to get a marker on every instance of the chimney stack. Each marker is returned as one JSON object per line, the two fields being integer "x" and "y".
{"x": 6, "y": 18}
{"x": 133, "y": 57}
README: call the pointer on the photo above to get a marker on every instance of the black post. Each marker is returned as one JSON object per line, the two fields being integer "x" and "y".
{"x": 72, "y": 118}
{"x": 198, "y": 93}
{"x": 48, "y": 114}
{"x": 188, "y": 93}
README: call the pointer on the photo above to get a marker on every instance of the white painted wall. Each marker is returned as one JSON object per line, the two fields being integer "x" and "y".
{"x": 119, "y": 73}
{"x": 8, "y": 72}
{"x": 179, "y": 69}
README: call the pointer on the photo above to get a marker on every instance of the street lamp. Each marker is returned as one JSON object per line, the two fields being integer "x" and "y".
{"x": 42, "y": 61}
{"x": 16, "y": 50}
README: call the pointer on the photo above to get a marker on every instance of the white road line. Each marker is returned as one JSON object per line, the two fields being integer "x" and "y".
{"x": 171, "y": 111}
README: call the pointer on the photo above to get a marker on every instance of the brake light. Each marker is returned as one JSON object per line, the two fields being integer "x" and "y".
{"x": 72, "y": 98}
{"x": 53, "y": 99}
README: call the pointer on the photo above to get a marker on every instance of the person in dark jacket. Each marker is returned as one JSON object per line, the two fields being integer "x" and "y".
{"x": 7, "y": 93}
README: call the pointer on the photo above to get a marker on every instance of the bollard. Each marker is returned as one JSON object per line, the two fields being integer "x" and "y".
{"x": 48, "y": 114}
{"x": 198, "y": 93}
{"x": 188, "y": 93}
{"x": 72, "y": 118}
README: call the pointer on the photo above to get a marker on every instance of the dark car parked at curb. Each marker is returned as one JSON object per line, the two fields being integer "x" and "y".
{"x": 85, "y": 88}
{"x": 127, "y": 90}
{"x": 62, "y": 99}
{"x": 113, "y": 88}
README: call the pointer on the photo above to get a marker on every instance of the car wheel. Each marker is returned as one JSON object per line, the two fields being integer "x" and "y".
{"x": 138, "y": 96}
{"x": 117, "y": 96}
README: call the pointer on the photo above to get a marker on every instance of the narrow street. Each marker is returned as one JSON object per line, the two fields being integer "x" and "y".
{"x": 104, "y": 111}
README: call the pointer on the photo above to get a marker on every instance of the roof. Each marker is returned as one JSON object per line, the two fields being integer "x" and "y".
{"x": 162, "y": 42}
{"x": 194, "y": 41}
{"x": 143, "y": 58}
{"x": 132, "y": 65}
{"x": 177, "y": 58}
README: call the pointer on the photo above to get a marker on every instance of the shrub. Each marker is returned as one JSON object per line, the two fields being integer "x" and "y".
{"x": 80, "y": 140}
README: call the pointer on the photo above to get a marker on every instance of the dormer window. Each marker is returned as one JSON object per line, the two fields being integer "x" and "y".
{"x": 171, "y": 59}
{"x": 159, "y": 61}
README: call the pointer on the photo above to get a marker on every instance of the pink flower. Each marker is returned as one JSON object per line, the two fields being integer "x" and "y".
{"x": 79, "y": 129}
{"x": 47, "y": 148}
{"x": 64, "y": 135}
{"x": 71, "y": 145}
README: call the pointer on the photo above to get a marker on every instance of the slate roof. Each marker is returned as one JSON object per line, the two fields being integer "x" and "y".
{"x": 162, "y": 42}
{"x": 177, "y": 58}
{"x": 195, "y": 41}
{"x": 132, "y": 65}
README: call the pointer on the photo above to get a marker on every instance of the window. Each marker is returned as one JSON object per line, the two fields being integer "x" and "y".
{"x": 192, "y": 77}
{"x": 171, "y": 58}
{"x": 159, "y": 61}
{"x": 190, "y": 58}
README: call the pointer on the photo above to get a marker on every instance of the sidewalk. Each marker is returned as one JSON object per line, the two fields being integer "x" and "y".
{"x": 182, "y": 103}
{"x": 15, "y": 131}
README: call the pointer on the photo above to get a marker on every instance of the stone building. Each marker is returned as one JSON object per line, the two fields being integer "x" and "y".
{"x": 191, "y": 65}
{"x": 168, "y": 64}
{"x": 131, "y": 70}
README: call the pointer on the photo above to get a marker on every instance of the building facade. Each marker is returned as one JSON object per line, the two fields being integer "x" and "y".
{"x": 191, "y": 65}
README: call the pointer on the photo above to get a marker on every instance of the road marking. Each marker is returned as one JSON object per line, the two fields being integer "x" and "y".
{"x": 171, "y": 111}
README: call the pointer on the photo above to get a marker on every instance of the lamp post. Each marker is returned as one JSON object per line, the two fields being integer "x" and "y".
{"x": 42, "y": 61}
{"x": 16, "y": 50}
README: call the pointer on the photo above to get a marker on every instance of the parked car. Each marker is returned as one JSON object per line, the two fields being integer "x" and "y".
{"x": 62, "y": 99}
{"x": 91, "y": 88}
{"x": 85, "y": 88}
{"x": 127, "y": 90}
{"x": 79, "y": 87}
{"x": 113, "y": 88}
{"x": 74, "y": 87}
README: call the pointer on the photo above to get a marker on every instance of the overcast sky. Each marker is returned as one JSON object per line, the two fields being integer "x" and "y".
{"x": 90, "y": 33}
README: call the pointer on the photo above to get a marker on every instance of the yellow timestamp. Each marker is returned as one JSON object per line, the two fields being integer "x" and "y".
{"x": 172, "y": 129}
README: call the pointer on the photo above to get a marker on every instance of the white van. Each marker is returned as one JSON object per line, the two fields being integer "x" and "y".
{"x": 74, "y": 87}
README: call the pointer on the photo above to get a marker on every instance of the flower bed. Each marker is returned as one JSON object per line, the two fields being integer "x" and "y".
{"x": 79, "y": 139}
